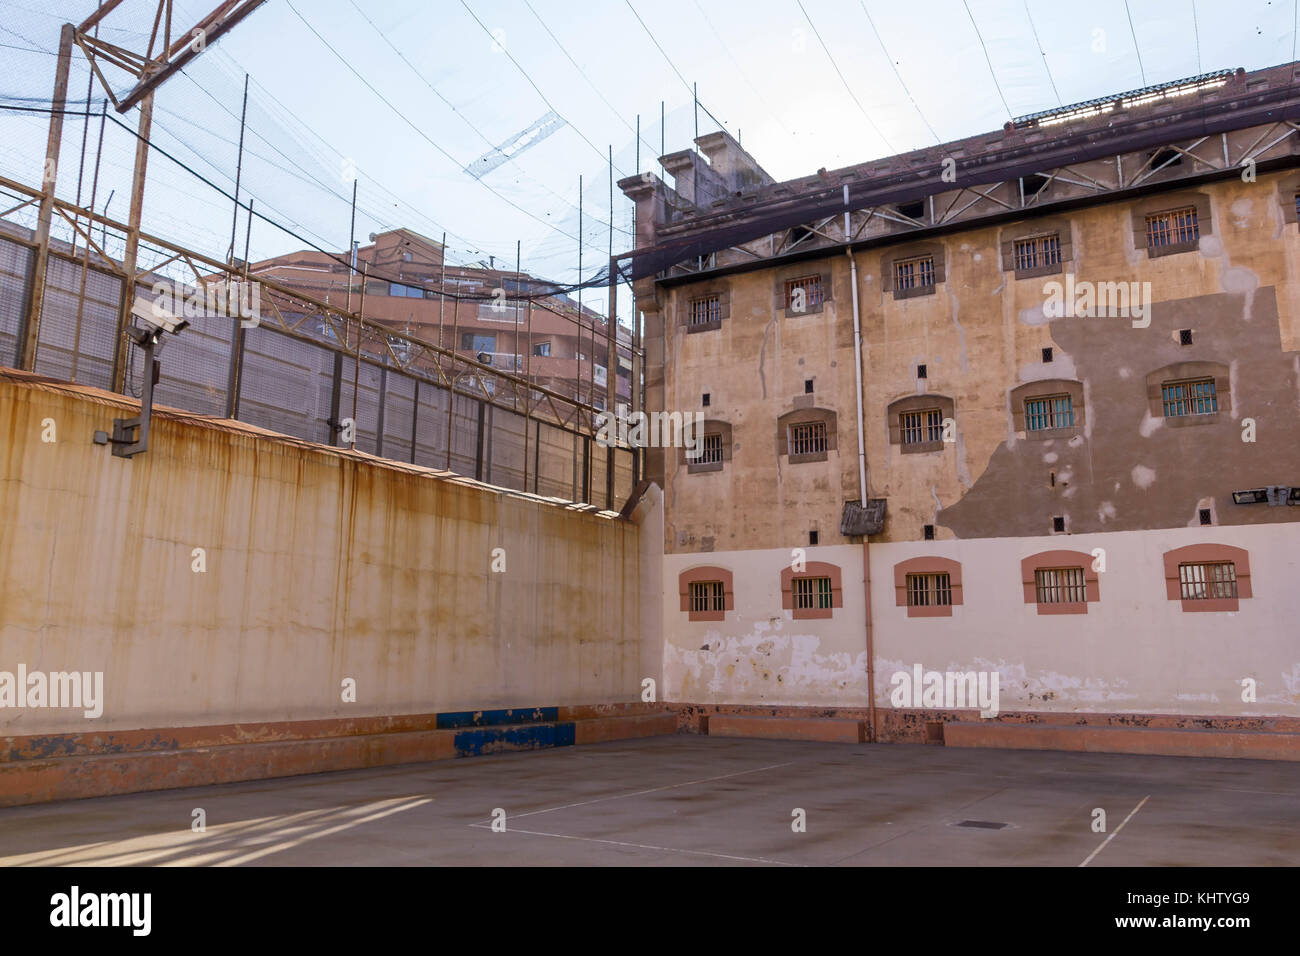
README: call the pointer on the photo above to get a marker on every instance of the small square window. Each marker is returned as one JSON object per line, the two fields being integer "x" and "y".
{"x": 920, "y": 427}
{"x": 707, "y": 596}
{"x": 1189, "y": 398}
{"x": 542, "y": 349}
{"x": 912, "y": 210}
{"x": 1052, "y": 411}
{"x": 711, "y": 453}
{"x": 1165, "y": 158}
{"x": 804, "y": 294}
{"x": 807, "y": 438}
{"x": 1034, "y": 183}
{"x": 1037, "y": 252}
{"x": 915, "y": 273}
{"x": 812, "y": 537}
{"x": 706, "y": 310}
{"x": 1206, "y": 516}
{"x": 1047, "y": 355}
{"x": 927, "y": 532}
{"x": 1058, "y": 524}
{"x": 1060, "y": 586}
{"x": 1184, "y": 336}
{"x": 1208, "y": 582}
{"x": 921, "y": 371}
{"x": 807, "y": 386}
{"x": 1172, "y": 228}
{"x": 704, "y": 400}
{"x": 929, "y": 590}
{"x": 812, "y": 593}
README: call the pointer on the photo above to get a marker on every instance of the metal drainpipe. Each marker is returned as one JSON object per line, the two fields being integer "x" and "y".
{"x": 862, "y": 484}
{"x": 857, "y": 376}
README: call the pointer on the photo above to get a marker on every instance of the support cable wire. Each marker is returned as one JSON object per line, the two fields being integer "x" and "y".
{"x": 35, "y": 49}
{"x": 1196, "y": 33}
{"x": 418, "y": 130}
{"x": 739, "y": 69}
{"x": 545, "y": 99}
{"x": 556, "y": 289}
{"x": 1043, "y": 53}
{"x": 862, "y": 109}
{"x": 466, "y": 120}
{"x": 689, "y": 87}
{"x": 894, "y": 67}
{"x": 596, "y": 89}
{"x": 1136, "y": 49}
{"x": 985, "y": 48}
{"x": 398, "y": 201}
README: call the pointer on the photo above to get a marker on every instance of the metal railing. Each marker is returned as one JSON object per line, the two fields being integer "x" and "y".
{"x": 300, "y": 367}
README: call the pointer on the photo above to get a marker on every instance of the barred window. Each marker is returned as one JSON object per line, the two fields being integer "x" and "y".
{"x": 810, "y": 288}
{"x": 915, "y": 273}
{"x": 1052, "y": 411}
{"x": 1209, "y": 581}
{"x": 1170, "y": 228}
{"x": 929, "y": 590}
{"x": 706, "y": 310}
{"x": 1038, "y": 251}
{"x": 807, "y": 438}
{"x": 707, "y": 596}
{"x": 812, "y": 593}
{"x": 712, "y": 451}
{"x": 923, "y": 426}
{"x": 1060, "y": 586}
{"x": 1195, "y": 397}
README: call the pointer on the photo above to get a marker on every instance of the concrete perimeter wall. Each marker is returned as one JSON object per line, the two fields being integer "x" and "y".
{"x": 321, "y": 565}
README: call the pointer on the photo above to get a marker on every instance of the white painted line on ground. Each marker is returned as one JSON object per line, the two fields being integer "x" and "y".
{"x": 639, "y": 793}
{"x": 1116, "y": 833}
{"x": 644, "y": 846}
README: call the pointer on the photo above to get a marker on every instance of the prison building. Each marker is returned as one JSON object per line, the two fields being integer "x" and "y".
{"x": 1066, "y": 449}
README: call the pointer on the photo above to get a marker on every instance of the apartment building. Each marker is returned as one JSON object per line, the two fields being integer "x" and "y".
{"x": 485, "y": 313}
{"x": 1024, "y": 404}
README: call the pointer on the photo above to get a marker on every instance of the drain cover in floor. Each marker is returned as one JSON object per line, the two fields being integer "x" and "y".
{"x": 982, "y": 824}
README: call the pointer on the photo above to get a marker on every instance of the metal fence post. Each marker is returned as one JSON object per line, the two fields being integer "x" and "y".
{"x": 383, "y": 399}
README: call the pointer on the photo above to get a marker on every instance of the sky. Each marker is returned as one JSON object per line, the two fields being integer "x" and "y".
{"x": 403, "y": 95}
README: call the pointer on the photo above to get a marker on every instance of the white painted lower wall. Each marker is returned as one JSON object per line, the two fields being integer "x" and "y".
{"x": 759, "y": 654}
{"x": 1135, "y": 651}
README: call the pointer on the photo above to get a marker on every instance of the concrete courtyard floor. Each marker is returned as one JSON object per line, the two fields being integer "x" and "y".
{"x": 690, "y": 800}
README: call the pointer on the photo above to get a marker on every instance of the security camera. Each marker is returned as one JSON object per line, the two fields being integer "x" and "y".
{"x": 144, "y": 337}
{"x": 156, "y": 316}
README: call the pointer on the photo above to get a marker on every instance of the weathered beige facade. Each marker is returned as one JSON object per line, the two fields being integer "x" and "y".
{"x": 981, "y": 335}
{"x": 977, "y": 347}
